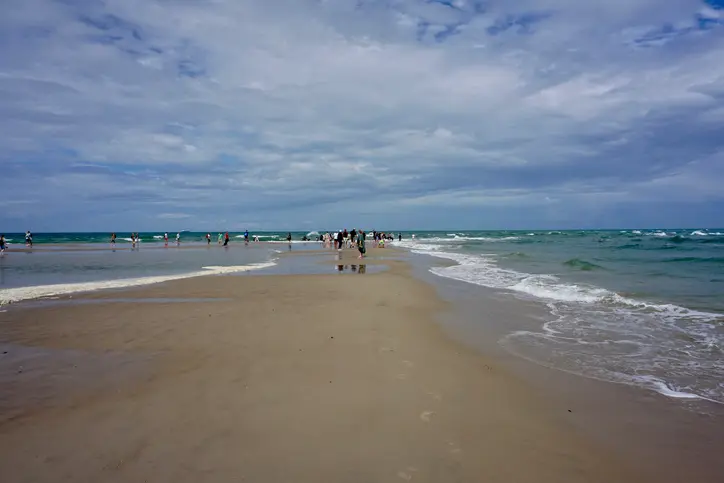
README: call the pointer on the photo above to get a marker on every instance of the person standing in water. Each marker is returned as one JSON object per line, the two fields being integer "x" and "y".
{"x": 178, "y": 239}
{"x": 113, "y": 239}
{"x": 2, "y": 244}
{"x": 28, "y": 239}
{"x": 220, "y": 238}
{"x": 165, "y": 239}
{"x": 226, "y": 239}
{"x": 208, "y": 239}
{"x": 246, "y": 236}
{"x": 289, "y": 238}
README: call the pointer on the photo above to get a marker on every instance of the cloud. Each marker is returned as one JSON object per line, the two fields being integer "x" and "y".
{"x": 116, "y": 113}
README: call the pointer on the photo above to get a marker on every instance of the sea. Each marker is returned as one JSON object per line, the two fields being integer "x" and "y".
{"x": 642, "y": 307}
{"x": 638, "y": 307}
{"x": 66, "y": 263}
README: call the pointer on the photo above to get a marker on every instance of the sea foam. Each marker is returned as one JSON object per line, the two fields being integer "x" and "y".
{"x": 13, "y": 295}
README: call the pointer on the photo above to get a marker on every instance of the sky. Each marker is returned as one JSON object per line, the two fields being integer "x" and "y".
{"x": 145, "y": 115}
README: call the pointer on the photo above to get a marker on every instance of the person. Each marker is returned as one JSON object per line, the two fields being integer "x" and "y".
{"x": 2, "y": 244}
{"x": 178, "y": 239}
{"x": 28, "y": 239}
{"x": 219, "y": 239}
{"x": 289, "y": 237}
{"x": 133, "y": 241}
{"x": 246, "y": 236}
{"x": 399, "y": 237}
{"x": 165, "y": 239}
{"x": 340, "y": 240}
{"x": 113, "y": 239}
{"x": 226, "y": 239}
{"x": 256, "y": 238}
{"x": 208, "y": 238}
{"x": 361, "y": 244}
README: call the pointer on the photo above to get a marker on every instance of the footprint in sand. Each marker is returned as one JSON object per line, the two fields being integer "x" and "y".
{"x": 434, "y": 395}
{"x": 427, "y": 415}
{"x": 407, "y": 474}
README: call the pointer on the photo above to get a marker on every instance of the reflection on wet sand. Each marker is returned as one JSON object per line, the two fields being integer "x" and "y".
{"x": 353, "y": 268}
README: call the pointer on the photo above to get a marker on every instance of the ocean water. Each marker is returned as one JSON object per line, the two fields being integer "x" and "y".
{"x": 17, "y": 240}
{"x": 70, "y": 263}
{"x": 639, "y": 307}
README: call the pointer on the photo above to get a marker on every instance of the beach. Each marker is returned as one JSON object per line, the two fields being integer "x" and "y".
{"x": 324, "y": 377}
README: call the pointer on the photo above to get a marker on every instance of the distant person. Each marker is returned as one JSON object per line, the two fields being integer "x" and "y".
{"x": 399, "y": 237}
{"x": 165, "y": 239}
{"x": 256, "y": 238}
{"x": 2, "y": 244}
{"x": 208, "y": 238}
{"x": 289, "y": 238}
{"x": 133, "y": 241}
{"x": 226, "y": 239}
{"x": 220, "y": 238}
{"x": 28, "y": 239}
{"x": 246, "y": 236}
{"x": 178, "y": 239}
{"x": 113, "y": 239}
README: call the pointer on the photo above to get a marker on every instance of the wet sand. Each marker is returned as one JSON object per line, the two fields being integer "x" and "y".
{"x": 326, "y": 377}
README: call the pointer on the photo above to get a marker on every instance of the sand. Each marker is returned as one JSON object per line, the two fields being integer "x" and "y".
{"x": 279, "y": 378}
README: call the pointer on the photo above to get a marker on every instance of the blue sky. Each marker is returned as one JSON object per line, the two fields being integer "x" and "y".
{"x": 300, "y": 114}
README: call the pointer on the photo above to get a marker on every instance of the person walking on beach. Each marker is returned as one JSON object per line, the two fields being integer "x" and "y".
{"x": 361, "y": 244}
{"x": 208, "y": 239}
{"x": 165, "y": 239}
{"x": 226, "y": 239}
{"x": 28, "y": 239}
{"x": 219, "y": 238}
{"x": 113, "y": 239}
{"x": 289, "y": 238}
{"x": 246, "y": 236}
{"x": 2, "y": 244}
{"x": 133, "y": 241}
{"x": 178, "y": 239}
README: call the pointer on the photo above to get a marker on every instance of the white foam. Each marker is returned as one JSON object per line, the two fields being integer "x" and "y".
{"x": 662, "y": 388}
{"x": 13, "y": 295}
{"x": 698, "y": 233}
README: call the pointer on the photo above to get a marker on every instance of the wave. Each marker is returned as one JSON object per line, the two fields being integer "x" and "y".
{"x": 14, "y": 295}
{"x": 627, "y": 246}
{"x": 578, "y": 264}
{"x": 602, "y": 334}
{"x": 695, "y": 260}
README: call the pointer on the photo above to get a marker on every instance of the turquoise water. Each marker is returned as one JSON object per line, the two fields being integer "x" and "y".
{"x": 18, "y": 239}
{"x": 641, "y": 307}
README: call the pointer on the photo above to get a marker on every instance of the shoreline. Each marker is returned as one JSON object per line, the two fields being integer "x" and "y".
{"x": 281, "y": 377}
{"x": 670, "y": 439}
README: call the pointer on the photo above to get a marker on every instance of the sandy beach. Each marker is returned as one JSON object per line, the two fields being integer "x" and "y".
{"x": 330, "y": 377}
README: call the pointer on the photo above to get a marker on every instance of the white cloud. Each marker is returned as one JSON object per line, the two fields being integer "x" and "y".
{"x": 291, "y": 100}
